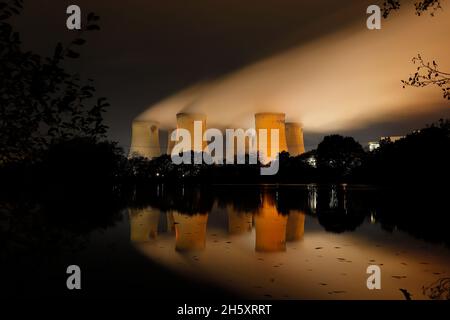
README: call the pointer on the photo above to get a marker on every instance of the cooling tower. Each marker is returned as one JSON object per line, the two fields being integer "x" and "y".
{"x": 170, "y": 143}
{"x": 186, "y": 121}
{"x": 270, "y": 121}
{"x": 241, "y": 146}
{"x": 294, "y": 139}
{"x": 145, "y": 139}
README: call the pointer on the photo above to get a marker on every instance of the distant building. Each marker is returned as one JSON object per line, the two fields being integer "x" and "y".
{"x": 373, "y": 145}
{"x": 392, "y": 138}
{"x": 312, "y": 161}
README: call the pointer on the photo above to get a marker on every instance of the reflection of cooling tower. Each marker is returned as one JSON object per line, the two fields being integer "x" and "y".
{"x": 270, "y": 121}
{"x": 170, "y": 222}
{"x": 239, "y": 222}
{"x": 143, "y": 224}
{"x": 294, "y": 139}
{"x": 145, "y": 139}
{"x": 295, "y": 226}
{"x": 186, "y": 121}
{"x": 170, "y": 143}
{"x": 190, "y": 231}
{"x": 270, "y": 228}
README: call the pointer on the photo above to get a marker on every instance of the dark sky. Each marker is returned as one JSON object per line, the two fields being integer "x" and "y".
{"x": 150, "y": 49}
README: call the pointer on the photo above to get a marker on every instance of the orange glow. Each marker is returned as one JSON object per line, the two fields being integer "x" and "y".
{"x": 270, "y": 228}
{"x": 345, "y": 80}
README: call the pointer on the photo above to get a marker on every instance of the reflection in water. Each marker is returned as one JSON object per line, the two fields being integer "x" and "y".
{"x": 295, "y": 226}
{"x": 143, "y": 224}
{"x": 317, "y": 258}
{"x": 190, "y": 231}
{"x": 368, "y": 226}
{"x": 312, "y": 198}
{"x": 270, "y": 227}
{"x": 239, "y": 222}
{"x": 439, "y": 290}
{"x": 333, "y": 204}
{"x": 170, "y": 222}
{"x": 337, "y": 212}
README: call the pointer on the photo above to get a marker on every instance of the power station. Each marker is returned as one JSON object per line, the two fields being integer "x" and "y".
{"x": 145, "y": 141}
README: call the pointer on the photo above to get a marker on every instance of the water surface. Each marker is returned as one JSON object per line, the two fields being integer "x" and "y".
{"x": 290, "y": 242}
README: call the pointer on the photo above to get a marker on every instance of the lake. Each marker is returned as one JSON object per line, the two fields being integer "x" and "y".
{"x": 289, "y": 242}
{"x": 248, "y": 241}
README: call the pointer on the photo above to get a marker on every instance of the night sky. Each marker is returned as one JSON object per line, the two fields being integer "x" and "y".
{"x": 148, "y": 50}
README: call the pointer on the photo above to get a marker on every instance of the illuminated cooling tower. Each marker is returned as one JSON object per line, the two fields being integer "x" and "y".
{"x": 186, "y": 121}
{"x": 295, "y": 226}
{"x": 241, "y": 143}
{"x": 145, "y": 139}
{"x": 170, "y": 143}
{"x": 270, "y": 227}
{"x": 270, "y": 121}
{"x": 190, "y": 231}
{"x": 143, "y": 224}
{"x": 294, "y": 139}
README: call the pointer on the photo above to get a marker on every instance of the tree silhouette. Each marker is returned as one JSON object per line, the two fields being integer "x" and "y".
{"x": 40, "y": 101}
{"x": 337, "y": 156}
{"x": 427, "y": 73}
{"x": 423, "y": 6}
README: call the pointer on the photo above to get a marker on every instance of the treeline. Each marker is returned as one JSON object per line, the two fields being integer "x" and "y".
{"x": 421, "y": 157}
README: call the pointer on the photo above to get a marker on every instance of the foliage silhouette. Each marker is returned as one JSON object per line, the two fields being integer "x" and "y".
{"x": 337, "y": 156}
{"x": 427, "y": 73}
{"x": 41, "y": 101}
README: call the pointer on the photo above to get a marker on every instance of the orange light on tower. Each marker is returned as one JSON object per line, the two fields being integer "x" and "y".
{"x": 294, "y": 139}
{"x": 270, "y": 121}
